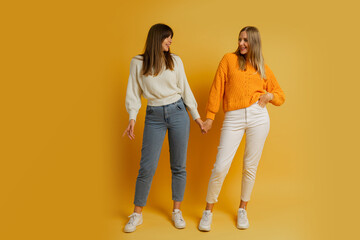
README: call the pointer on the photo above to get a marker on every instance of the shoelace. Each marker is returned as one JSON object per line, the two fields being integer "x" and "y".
{"x": 178, "y": 216}
{"x": 132, "y": 219}
{"x": 242, "y": 213}
{"x": 206, "y": 216}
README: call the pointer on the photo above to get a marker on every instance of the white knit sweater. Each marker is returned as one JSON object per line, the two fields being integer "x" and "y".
{"x": 165, "y": 88}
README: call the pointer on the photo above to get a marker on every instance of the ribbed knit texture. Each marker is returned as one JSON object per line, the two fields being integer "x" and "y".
{"x": 240, "y": 89}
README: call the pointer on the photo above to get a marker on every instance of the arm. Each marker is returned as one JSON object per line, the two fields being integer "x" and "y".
{"x": 133, "y": 92}
{"x": 133, "y": 100}
{"x": 186, "y": 92}
{"x": 273, "y": 87}
{"x": 216, "y": 95}
{"x": 217, "y": 90}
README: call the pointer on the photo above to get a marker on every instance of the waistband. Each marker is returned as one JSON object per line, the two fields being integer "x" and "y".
{"x": 178, "y": 101}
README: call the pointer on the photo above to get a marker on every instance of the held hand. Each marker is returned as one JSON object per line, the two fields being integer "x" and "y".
{"x": 200, "y": 123}
{"x": 264, "y": 99}
{"x": 129, "y": 131}
{"x": 207, "y": 125}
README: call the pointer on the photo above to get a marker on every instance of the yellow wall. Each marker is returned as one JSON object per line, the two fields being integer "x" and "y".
{"x": 66, "y": 172}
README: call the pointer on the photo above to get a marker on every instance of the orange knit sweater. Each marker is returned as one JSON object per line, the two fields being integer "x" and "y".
{"x": 240, "y": 89}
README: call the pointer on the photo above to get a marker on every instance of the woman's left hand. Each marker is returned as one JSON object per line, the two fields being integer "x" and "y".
{"x": 264, "y": 99}
{"x": 200, "y": 123}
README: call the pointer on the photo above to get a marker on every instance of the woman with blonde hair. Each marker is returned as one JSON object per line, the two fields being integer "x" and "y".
{"x": 159, "y": 76}
{"x": 245, "y": 85}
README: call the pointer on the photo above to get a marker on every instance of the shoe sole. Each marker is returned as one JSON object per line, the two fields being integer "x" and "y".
{"x": 243, "y": 227}
{"x": 204, "y": 229}
{"x": 128, "y": 231}
{"x": 180, "y": 227}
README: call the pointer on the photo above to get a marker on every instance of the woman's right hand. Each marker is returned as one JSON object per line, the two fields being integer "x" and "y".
{"x": 129, "y": 131}
{"x": 207, "y": 125}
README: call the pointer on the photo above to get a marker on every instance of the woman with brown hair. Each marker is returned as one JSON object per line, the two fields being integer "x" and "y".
{"x": 245, "y": 85}
{"x": 159, "y": 76}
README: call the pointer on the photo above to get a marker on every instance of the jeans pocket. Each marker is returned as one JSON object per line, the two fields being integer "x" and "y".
{"x": 257, "y": 104}
{"x": 180, "y": 107}
{"x": 260, "y": 106}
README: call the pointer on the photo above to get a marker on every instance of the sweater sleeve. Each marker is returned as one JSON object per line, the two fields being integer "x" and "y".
{"x": 272, "y": 86}
{"x": 186, "y": 92}
{"x": 133, "y": 92}
{"x": 217, "y": 90}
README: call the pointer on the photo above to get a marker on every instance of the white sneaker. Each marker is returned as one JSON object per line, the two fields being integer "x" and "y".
{"x": 205, "y": 222}
{"x": 242, "y": 221}
{"x": 135, "y": 220}
{"x": 178, "y": 219}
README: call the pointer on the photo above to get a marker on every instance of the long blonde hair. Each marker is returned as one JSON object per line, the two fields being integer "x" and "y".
{"x": 154, "y": 57}
{"x": 254, "y": 55}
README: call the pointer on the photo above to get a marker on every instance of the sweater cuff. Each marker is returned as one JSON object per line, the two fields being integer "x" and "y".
{"x": 277, "y": 100}
{"x": 210, "y": 115}
{"x": 132, "y": 115}
{"x": 195, "y": 114}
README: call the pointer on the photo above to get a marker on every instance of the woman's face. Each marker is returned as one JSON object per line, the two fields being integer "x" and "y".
{"x": 166, "y": 44}
{"x": 243, "y": 43}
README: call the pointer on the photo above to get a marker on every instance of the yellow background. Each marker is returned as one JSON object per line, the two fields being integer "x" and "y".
{"x": 66, "y": 172}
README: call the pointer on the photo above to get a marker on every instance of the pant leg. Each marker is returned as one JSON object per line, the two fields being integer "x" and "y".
{"x": 255, "y": 140}
{"x": 231, "y": 135}
{"x": 153, "y": 138}
{"x": 178, "y": 134}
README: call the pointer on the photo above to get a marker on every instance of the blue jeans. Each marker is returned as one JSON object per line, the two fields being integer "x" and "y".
{"x": 174, "y": 118}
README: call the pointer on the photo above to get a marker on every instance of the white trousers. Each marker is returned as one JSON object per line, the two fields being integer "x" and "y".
{"x": 254, "y": 121}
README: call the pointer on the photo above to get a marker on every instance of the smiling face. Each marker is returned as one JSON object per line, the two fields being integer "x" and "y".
{"x": 243, "y": 43}
{"x": 166, "y": 44}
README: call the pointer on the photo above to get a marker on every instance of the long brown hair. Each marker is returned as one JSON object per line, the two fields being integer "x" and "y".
{"x": 254, "y": 55}
{"x": 154, "y": 57}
